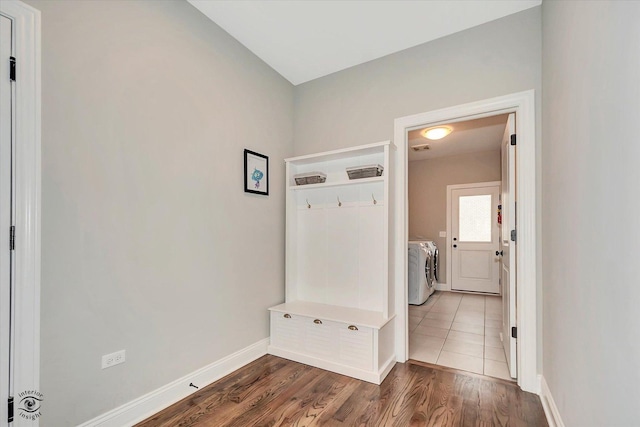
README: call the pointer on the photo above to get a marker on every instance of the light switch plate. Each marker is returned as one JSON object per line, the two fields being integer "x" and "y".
{"x": 443, "y": 234}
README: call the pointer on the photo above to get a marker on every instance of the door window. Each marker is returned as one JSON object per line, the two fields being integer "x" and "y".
{"x": 475, "y": 218}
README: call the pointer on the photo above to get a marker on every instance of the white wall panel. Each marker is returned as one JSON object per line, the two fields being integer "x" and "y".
{"x": 342, "y": 255}
{"x": 373, "y": 279}
{"x": 311, "y": 251}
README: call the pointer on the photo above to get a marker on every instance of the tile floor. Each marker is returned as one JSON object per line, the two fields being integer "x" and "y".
{"x": 460, "y": 331}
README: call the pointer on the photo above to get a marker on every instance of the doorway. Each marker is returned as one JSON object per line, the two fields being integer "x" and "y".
{"x": 7, "y": 308}
{"x": 526, "y": 294}
{"x": 455, "y": 329}
{"x": 20, "y": 233}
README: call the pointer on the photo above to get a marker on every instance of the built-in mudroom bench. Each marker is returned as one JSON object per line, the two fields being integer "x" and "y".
{"x": 338, "y": 314}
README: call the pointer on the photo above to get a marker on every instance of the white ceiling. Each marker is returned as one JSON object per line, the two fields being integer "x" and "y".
{"x": 467, "y": 137}
{"x": 306, "y": 39}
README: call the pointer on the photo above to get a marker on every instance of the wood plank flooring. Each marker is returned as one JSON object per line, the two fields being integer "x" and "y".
{"x": 272, "y": 391}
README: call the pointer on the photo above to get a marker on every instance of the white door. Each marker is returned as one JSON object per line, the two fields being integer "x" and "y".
{"x": 507, "y": 247}
{"x": 475, "y": 238}
{"x": 6, "y": 296}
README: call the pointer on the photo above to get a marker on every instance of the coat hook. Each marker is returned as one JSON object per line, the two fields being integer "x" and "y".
{"x": 308, "y": 205}
{"x": 375, "y": 202}
{"x": 339, "y": 202}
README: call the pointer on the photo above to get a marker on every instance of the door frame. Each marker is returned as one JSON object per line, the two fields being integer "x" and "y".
{"x": 449, "y": 225}
{"x": 27, "y": 44}
{"x": 523, "y": 104}
{"x": 508, "y": 201}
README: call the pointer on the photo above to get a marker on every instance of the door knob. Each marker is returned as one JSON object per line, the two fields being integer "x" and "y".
{"x": 499, "y": 253}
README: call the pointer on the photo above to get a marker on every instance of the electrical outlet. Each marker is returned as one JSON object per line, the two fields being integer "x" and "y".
{"x": 109, "y": 360}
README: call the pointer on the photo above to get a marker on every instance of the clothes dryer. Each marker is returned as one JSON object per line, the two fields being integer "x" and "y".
{"x": 421, "y": 267}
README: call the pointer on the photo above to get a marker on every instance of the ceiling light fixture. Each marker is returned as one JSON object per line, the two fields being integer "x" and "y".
{"x": 437, "y": 132}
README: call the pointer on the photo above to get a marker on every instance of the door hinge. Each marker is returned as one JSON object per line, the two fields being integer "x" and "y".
{"x": 513, "y": 235}
{"x": 513, "y": 139}
{"x": 12, "y": 69}
{"x": 514, "y": 332}
{"x": 10, "y": 410}
{"x": 12, "y": 237}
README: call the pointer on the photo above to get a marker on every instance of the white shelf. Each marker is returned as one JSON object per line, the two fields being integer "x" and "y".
{"x": 371, "y": 319}
{"x": 337, "y": 183}
{"x": 361, "y": 150}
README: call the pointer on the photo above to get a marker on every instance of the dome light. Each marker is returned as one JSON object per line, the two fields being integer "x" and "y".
{"x": 437, "y": 132}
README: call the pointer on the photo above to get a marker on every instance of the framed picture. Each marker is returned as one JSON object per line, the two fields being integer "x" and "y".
{"x": 256, "y": 173}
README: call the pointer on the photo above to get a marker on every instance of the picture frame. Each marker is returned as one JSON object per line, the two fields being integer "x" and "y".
{"x": 256, "y": 173}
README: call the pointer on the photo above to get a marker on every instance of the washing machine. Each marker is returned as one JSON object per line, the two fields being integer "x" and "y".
{"x": 436, "y": 258}
{"x": 421, "y": 271}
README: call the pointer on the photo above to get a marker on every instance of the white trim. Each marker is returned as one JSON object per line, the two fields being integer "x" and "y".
{"x": 443, "y": 286}
{"x": 27, "y": 198}
{"x": 549, "y": 405}
{"x": 448, "y": 218}
{"x": 523, "y": 104}
{"x": 327, "y": 365}
{"x": 152, "y": 403}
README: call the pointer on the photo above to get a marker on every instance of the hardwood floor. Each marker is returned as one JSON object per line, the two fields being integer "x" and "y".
{"x": 272, "y": 391}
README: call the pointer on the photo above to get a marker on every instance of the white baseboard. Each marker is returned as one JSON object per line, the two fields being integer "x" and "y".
{"x": 549, "y": 405}
{"x": 373, "y": 376}
{"x": 152, "y": 403}
{"x": 387, "y": 367}
{"x": 443, "y": 287}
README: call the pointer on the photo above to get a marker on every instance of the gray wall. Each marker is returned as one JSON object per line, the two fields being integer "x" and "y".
{"x": 428, "y": 180}
{"x": 358, "y": 105}
{"x": 591, "y": 235}
{"x": 149, "y": 243}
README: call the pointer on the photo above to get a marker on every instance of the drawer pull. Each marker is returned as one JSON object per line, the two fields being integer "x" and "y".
{"x": 353, "y": 328}
{"x": 287, "y": 316}
{"x": 318, "y": 322}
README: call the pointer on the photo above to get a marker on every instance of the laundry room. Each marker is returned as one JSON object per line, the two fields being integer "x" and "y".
{"x": 455, "y": 172}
